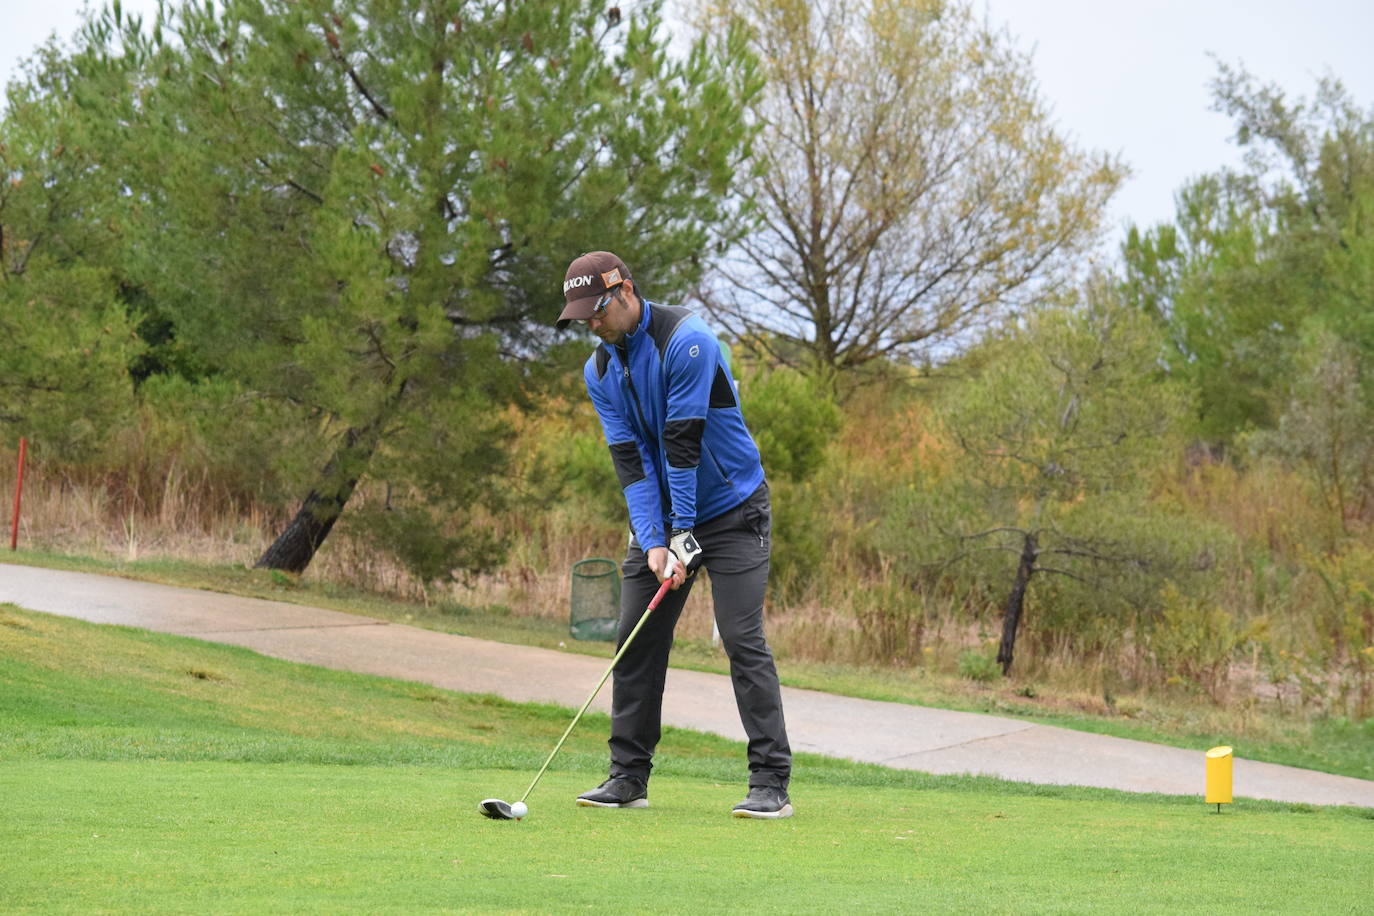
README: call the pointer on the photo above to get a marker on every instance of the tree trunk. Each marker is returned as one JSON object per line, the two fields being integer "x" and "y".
{"x": 1011, "y": 615}
{"x": 295, "y": 547}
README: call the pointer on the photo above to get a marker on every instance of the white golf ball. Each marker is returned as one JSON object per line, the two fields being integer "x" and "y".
{"x": 519, "y": 809}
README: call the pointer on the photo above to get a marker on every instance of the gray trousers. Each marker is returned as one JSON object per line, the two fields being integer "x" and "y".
{"x": 735, "y": 550}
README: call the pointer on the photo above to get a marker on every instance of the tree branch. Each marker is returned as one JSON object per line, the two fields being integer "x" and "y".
{"x": 342, "y": 60}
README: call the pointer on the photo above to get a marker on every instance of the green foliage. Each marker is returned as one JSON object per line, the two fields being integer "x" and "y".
{"x": 428, "y": 548}
{"x": 1129, "y": 543}
{"x": 793, "y": 418}
{"x": 360, "y": 211}
{"x": 1056, "y": 437}
{"x": 1073, "y": 406}
{"x": 802, "y": 528}
{"x": 1328, "y": 426}
{"x": 1224, "y": 314}
{"x": 200, "y": 424}
{"x": 586, "y": 473}
{"x": 68, "y": 339}
{"x": 979, "y": 665}
{"x": 562, "y": 452}
{"x": 1195, "y": 641}
{"x": 1255, "y": 255}
{"x": 68, "y": 343}
{"x": 1343, "y": 621}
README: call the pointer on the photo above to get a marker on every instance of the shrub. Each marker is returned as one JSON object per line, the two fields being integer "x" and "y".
{"x": 978, "y": 666}
{"x": 793, "y": 418}
{"x": 801, "y": 539}
{"x": 1344, "y": 623}
{"x": 1194, "y": 642}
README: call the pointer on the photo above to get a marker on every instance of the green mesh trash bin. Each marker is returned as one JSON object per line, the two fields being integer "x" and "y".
{"x": 595, "y": 600}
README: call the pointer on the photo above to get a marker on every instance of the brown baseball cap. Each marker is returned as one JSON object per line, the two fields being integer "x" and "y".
{"x": 587, "y": 280}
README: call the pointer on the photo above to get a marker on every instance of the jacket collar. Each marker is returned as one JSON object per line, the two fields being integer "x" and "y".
{"x": 632, "y": 339}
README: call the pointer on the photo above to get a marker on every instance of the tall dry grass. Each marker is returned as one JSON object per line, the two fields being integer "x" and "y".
{"x": 118, "y": 516}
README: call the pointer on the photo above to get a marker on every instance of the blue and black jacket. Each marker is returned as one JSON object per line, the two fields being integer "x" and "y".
{"x": 668, "y": 407}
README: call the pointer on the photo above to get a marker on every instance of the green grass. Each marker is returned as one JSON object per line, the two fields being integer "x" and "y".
{"x": 1330, "y": 745}
{"x": 257, "y": 838}
{"x": 151, "y": 773}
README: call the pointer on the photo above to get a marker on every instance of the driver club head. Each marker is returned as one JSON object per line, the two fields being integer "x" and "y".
{"x": 496, "y": 809}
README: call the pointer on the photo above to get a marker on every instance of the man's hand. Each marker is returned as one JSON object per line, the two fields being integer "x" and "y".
{"x": 684, "y": 546}
{"x": 663, "y": 564}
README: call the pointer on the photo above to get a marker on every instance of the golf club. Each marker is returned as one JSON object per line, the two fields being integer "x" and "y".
{"x": 498, "y": 810}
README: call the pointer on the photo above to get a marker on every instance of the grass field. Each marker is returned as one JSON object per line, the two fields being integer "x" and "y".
{"x": 149, "y": 773}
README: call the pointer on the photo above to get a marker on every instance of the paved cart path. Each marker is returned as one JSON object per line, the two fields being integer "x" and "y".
{"x": 892, "y": 734}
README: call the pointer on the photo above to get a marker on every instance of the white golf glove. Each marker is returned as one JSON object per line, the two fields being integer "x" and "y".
{"x": 682, "y": 544}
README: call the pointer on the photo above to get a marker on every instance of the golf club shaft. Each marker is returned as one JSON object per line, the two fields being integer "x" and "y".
{"x": 662, "y": 590}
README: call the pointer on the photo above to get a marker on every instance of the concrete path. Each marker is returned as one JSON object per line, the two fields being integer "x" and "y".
{"x": 891, "y": 734}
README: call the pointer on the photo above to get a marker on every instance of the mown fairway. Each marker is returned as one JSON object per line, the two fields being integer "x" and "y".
{"x": 155, "y": 774}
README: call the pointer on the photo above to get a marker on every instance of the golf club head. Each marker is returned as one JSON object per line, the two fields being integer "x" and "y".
{"x": 496, "y": 809}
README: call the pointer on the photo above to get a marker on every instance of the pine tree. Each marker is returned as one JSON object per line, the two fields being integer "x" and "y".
{"x": 364, "y": 208}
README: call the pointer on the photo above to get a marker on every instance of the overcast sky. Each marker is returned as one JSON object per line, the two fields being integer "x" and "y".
{"x": 1126, "y": 77}
{"x": 1131, "y": 77}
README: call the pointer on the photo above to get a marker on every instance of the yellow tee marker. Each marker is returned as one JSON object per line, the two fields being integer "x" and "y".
{"x": 1219, "y": 777}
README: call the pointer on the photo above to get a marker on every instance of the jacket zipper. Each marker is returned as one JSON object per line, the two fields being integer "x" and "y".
{"x": 665, "y": 499}
{"x": 639, "y": 409}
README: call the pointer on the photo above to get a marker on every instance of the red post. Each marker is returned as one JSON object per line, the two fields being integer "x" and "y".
{"x": 18, "y": 492}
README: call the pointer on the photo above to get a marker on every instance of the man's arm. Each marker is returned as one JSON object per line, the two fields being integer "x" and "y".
{"x": 691, "y": 360}
{"x": 634, "y": 466}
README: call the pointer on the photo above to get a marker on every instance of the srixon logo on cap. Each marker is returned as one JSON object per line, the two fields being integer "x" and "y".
{"x": 575, "y": 282}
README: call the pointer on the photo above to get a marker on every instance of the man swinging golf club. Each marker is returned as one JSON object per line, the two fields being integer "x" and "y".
{"x": 697, "y": 498}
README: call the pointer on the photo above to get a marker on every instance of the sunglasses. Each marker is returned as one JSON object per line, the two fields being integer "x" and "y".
{"x": 605, "y": 300}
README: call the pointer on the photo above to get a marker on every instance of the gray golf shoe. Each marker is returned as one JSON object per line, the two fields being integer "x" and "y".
{"x": 769, "y": 802}
{"x": 617, "y": 792}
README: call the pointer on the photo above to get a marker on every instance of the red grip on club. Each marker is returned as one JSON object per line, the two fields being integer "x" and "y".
{"x": 662, "y": 590}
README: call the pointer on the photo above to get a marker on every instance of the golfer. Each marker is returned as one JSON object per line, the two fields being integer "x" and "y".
{"x": 697, "y": 498}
